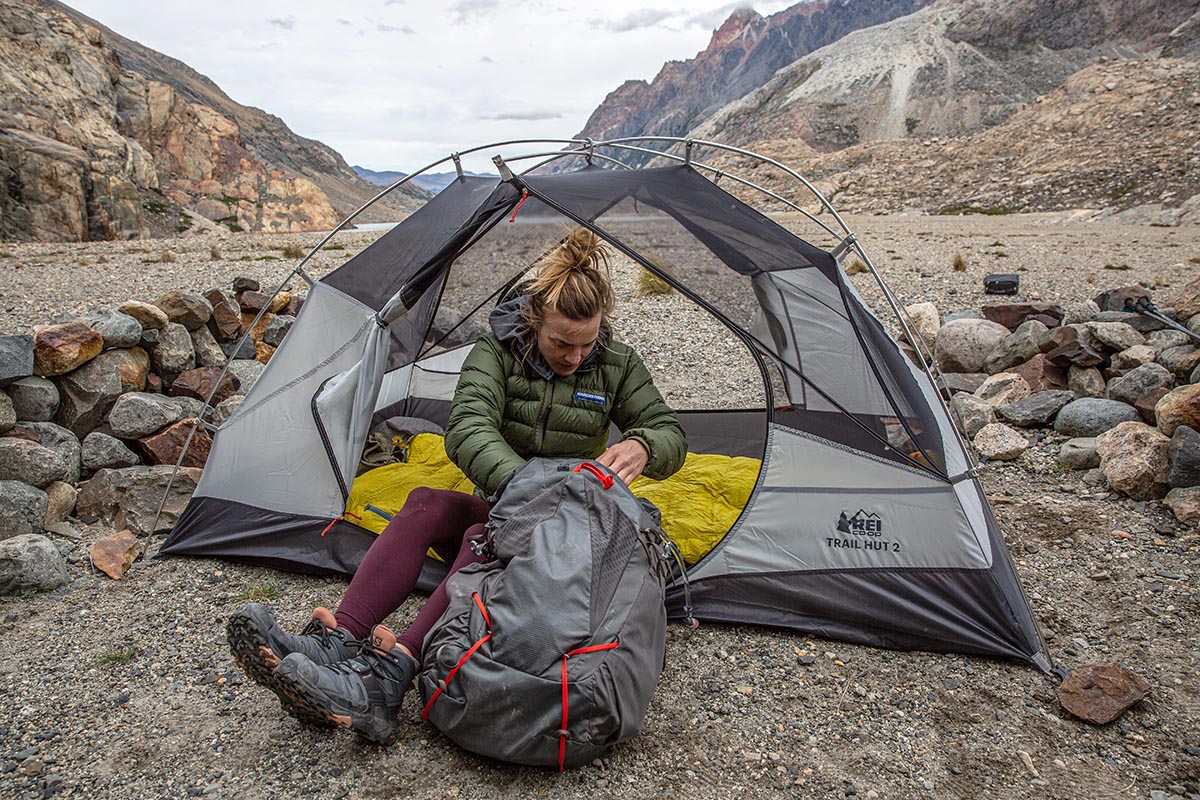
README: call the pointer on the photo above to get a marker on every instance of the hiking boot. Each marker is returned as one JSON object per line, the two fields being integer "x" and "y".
{"x": 362, "y": 694}
{"x": 259, "y": 644}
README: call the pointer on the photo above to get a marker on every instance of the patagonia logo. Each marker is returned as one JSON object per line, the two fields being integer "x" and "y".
{"x": 589, "y": 397}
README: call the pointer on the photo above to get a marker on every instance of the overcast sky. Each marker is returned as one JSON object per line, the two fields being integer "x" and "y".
{"x": 395, "y": 84}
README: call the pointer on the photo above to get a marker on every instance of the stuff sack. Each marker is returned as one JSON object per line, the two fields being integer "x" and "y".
{"x": 549, "y": 652}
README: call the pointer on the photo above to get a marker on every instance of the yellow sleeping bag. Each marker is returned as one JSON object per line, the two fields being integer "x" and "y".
{"x": 699, "y": 503}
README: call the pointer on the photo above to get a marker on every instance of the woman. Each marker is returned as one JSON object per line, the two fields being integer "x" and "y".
{"x": 547, "y": 381}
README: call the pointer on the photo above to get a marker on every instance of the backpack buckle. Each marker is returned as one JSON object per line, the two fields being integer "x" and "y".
{"x": 606, "y": 480}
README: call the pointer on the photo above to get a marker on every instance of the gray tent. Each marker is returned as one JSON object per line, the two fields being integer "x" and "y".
{"x": 867, "y": 522}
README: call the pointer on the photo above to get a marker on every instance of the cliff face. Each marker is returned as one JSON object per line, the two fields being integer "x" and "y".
{"x": 102, "y": 138}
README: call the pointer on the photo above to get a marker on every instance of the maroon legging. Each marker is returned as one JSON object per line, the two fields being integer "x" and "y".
{"x": 437, "y": 518}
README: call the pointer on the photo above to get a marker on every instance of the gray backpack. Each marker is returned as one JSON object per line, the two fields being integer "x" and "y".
{"x": 549, "y": 652}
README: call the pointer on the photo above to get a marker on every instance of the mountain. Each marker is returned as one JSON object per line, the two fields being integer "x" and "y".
{"x": 430, "y": 181}
{"x": 103, "y": 138}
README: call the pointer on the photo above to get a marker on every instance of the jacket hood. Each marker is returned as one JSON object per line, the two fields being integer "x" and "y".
{"x": 509, "y": 321}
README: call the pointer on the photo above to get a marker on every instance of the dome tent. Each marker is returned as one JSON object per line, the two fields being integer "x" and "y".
{"x": 866, "y": 523}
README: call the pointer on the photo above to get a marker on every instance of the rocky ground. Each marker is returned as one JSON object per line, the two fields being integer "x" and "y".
{"x": 125, "y": 689}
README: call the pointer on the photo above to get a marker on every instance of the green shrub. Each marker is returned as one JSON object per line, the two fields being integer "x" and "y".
{"x": 855, "y": 267}
{"x": 959, "y": 264}
{"x": 650, "y": 284}
{"x": 293, "y": 251}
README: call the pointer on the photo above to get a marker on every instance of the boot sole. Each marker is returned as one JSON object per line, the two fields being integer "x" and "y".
{"x": 313, "y": 702}
{"x": 255, "y": 658}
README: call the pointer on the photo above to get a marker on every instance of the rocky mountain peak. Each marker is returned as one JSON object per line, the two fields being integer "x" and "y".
{"x": 742, "y": 23}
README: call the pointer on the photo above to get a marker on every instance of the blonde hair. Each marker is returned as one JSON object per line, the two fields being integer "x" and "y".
{"x": 570, "y": 279}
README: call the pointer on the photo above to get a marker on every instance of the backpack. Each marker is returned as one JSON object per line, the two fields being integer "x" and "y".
{"x": 549, "y": 652}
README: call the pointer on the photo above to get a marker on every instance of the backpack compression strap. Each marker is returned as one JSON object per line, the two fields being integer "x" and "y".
{"x": 470, "y": 652}
{"x": 562, "y": 732}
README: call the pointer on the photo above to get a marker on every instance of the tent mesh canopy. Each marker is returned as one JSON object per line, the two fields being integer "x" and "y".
{"x": 864, "y": 522}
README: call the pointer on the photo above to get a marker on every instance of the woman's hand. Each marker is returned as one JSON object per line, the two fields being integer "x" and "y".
{"x": 627, "y": 459}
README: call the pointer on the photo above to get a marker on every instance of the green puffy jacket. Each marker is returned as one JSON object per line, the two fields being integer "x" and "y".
{"x": 508, "y": 409}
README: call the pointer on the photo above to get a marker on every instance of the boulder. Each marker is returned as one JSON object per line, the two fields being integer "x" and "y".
{"x": 1037, "y": 409}
{"x": 151, "y": 318}
{"x": 87, "y": 395}
{"x": 973, "y": 413}
{"x": 965, "y": 313}
{"x": 1167, "y": 338}
{"x": 1086, "y": 382}
{"x": 280, "y": 301}
{"x": 22, "y": 460}
{"x": 129, "y": 497}
{"x": 22, "y": 509}
{"x": 59, "y": 349}
{"x": 251, "y": 302}
{"x": 1146, "y": 403}
{"x": 8, "y": 414}
{"x": 1115, "y": 299}
{"x": 963, "y": 345}
{"x": 1041, "y": 374}
{"x": 1132, "y": 358}
{"x": 1141, "y": 324}
{"x": 1137, "y": 382}
{"x": 165, "y": 447}
{"x": 202, "y": 382}
{"x": 1013, "y": 315}
{"x": 60, "y": 501}
{"x": 117, "y": 329}
{"x": 61, "y": 441}
{"x": 1185, "y": 505}
{"x": 1002, "y": 388}
{"x": 188, "y": 309}
{"x": 133, "y": 365}
{"x": 952, "y": 383}
{"x": 294, "y": 305}
{"x": 243, "y": 284}
{"x": 257, "y": 329}
{"x": 1133, "y": 458}
{"x": 1115, "y": 336}
{"x": 924, "y": 317}
{"x": 1074, "y": 354}
{"x": 30, "y": 562}
{"x": 1092, "y": 416}
{"x": 1180, "y": 406}
{"x": 190, "y": 407}
{"x": 264, "y": 351}
{"x": 1016, "y": 348}
{"x": 1180, "y": 361}
{"x": 16, "y": 358}
{"x": 998, "y": 442}
{"x": 1183, "y": 454}
{"x": 139, "y": 414}
{"x": 114, "y": 554}
{"x": 208, "y": 352}
{"x": 34, "y": 399}
{"x": 1058, "y": 337}
{"x": 246, "y": 371}
{"x": 1077, "y": 313}
{"x": 1195, "y": 376}
{"x": 174, "y": 353}
{"x": 225, "y": 409}
{"x": 1186, "y": 301}
{"x": 225, "y": 324}
{"x": 150, "y": 339}
{"x": 279, "y": 327}
{"x": 1193, "y": 324}
{"x": 99, "y": 450}
{"x": 242, "y": 350}
{"x": 1099, "y": 693}
{"x": 1079, "y": 453}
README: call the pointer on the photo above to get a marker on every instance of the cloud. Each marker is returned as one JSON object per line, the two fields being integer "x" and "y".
{"x": 466, "y": 10}
{"x": 344, "y": 21}
{"x": 286, "y": 24}
{"x": 487, "y": 60}
{"x": 645, "y": 18}
{"x": 394, "y": 29}
{"x": 524, "y": 116}
{"x": 713, "y": 19}
{"x": 393, "y": 2}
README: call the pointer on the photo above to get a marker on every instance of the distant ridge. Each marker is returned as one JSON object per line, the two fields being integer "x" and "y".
{"x": 430, "y": 181}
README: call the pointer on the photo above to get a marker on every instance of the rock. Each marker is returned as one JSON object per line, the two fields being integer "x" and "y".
{"x": 1186, "y": 301}
{"x": 280, "y": 301}
{"x": 22, "y": 509}
{"x": 1002, "y": 388}
{"x": 963, "y": 345}
{"x": 924, "y": 317}
{"x": 225, "y": 409}
{"x": 1195, "y": 376}
{"x": 279, "y": 327}
{"x": 244, "y": 284}
{"x": 246, "y": 371}
{"x": 1183, "y": 454}
{"x": 129, "y": 497}
{"x": 8, "y": 414}
{"x": 1013, "y": 315}
{"x": 139, "y": 414}
{"x": 1132, "y": 358}
{"x": 1079, "y": 453}
{"x": 22, "y": 460}
{"x": 251, "y": 302}
{"x": 1092, "y": 416}
{"x": 1180, "y": 361}
{"x": 264, "y": 351}
{"x": 1093, "y": 477}
{"x": 1115, "y": 299}
{"x": 1041, "y": 374}
{"x": 1077, "y": 313}
{"x": 133, "y": 365}
{"x": 185, "y": 308}
{"x": 998, "y": 442}
{"x": 1037, "y": 409}
{"x": 294, "y": 305}
{"x": 974, "y": 414}
{"x": 59, "y": 349}
{"x": 1016, "y": 348}
{"x": 1139, "y": 323}
{"x": 1185, "y": 505}
{"x": 150, "y": 317}
{"x": 150, "y": 339}
{"x": 1180, "y": 406}
{"x": 165, "y": 447}
{"x": 30, "y": 562}
{"x": 190, "y": 406}
{"x": 257, "y": 329}
{"x": 200, "y": 382}
{"x": 60, "y": 502}
{"x": 174, "y": 353}
{"x": 1076, "y": 353}
{"x": 1167, "y": 338}
{"x": 101, "y": 450}
{"x": 16, "y": 358}
{"x": 117, "y": 329}
{"x": 952, "y": 383}
{"x": 1146, "y": 403}
{"x": 1137, "y": 382}
{"x": 61, "y": 441}
{"x": 1115, "y": 336}
{"x": 87, "y": 395}
{"x": 225, "y": 324}
{"x": 208, "y": 352}
{"x": 240, "y": 351}
{"x": 34, "y": 399}
{"x": 966, "y": 313}
{"x": 1133, "y": 458}
{"x": 1099, "y": 693}
{"x": 115, "y": 554}
{"x": 1086, "y": 381}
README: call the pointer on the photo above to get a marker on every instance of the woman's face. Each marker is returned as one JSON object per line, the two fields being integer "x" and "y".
{"x": 565, "y": 342}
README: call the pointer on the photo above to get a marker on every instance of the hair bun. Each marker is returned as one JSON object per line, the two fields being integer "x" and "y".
{"x": 570, "y": 279}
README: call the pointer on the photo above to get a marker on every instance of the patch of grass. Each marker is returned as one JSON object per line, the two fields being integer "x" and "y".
{"x": 962, "y": 209}
{"x": 1117, "y": 267}
{"x": 101, "y": 259}
{"x": 231, "y": 223}
{"x": 156, "y": 208}
{"x": 259, "y": 592}
{"x": 293, "y": 251}
{"x": 996, "y": 244}
{"x": 959, "y": 264}
{"x": 214, "y": 252}
{"x": 83, "y": 261}
{"x": 119, "y": 655}
{"x": 246, "y": 258}
{"x": 10, "y": 254}
{"x": 855, "y": 267}
{"x": 650, "y": 284}
{"x": 1000, "y": 254}
{"x": 266, "y": 258}
{"x": 183, "y": 224}
{"x": 343, "y": 247}
{"x": 1117, "y": 192}
{"x": 910, "y": 124}
{"x": 1193, "y": 260}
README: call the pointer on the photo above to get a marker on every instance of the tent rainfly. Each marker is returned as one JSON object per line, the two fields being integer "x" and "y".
{"x": 867, "y": 522}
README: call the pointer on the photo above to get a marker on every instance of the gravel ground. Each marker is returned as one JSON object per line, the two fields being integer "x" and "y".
{"x": 126, "y": 689}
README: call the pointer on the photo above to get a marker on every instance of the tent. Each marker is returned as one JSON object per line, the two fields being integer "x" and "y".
{"x": 866, "y": 521}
